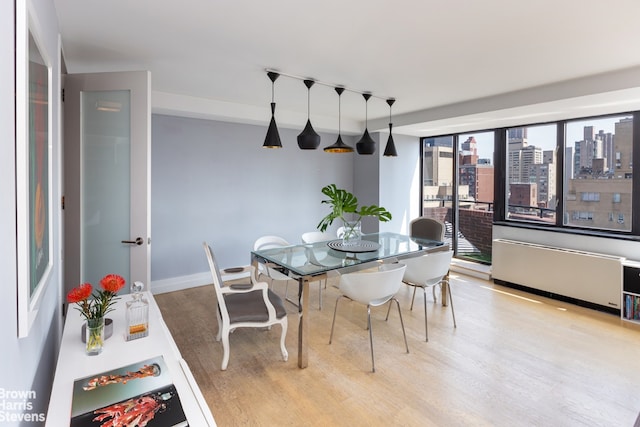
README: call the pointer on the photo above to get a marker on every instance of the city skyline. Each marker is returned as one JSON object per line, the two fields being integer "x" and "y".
{"x": 544, "y": 136}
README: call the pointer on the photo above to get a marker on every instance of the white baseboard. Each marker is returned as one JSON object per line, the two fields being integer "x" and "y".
{"x": 179, "y": 283}
{"x": 472, "y": 269}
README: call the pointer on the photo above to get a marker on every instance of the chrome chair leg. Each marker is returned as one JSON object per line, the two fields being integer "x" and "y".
{"x": 334, "y": 317}
{"x": 426, "y": 326}
{"x": 373, "y": 363}
{"x": 413, "y": 297}
{"x": 453, "y": 314}
{"x": 404, "y": 334}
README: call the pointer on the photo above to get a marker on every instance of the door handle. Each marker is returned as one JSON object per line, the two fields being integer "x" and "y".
{"x": 138, "y": 241}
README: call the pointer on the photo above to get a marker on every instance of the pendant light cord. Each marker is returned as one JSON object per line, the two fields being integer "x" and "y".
{"x": 366, "y": 114}
{"x": 339, "y": 113}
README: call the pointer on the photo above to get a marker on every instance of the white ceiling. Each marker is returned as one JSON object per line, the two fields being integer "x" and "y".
{"x": 452, "y": 65}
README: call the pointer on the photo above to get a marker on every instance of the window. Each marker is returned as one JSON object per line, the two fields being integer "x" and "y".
{"x": 457, "y": 174}
{"x": 590, "y": 197}
{"x": 531, "y": 173}
{"x": 570, "y": 176}
{"x": 597, "y": 168}
{"x": 582, "y": 216}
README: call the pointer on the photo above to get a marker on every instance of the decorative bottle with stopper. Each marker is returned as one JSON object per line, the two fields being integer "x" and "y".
{"x": 137, "y": 313}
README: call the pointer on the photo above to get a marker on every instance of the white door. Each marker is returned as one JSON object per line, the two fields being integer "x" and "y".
{"x": 107, "y": 127}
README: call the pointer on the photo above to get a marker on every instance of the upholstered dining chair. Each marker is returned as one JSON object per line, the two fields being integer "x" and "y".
{"x": 427, "y": 271}
{"x": 254, "y": 307}
{"x": 427, "y": 228}
{"x": 372, "y": 288}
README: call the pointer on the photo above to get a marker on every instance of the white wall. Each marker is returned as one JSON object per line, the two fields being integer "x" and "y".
{"x": 400, "y": 182}
{"x": 27, "y": 364}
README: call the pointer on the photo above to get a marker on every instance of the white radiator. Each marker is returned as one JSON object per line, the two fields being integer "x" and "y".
{"x": 585, "y": 276}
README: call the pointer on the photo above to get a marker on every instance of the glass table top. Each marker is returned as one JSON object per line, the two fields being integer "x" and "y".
{"x": 320, "y": 257}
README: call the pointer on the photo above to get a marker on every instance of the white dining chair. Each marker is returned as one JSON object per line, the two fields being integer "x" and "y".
{"x": 428, "y": 228}
{"x": 253, "y": 307}
{"x": 427, "y": 271}
{"x": 372, "y": 288}
{"x": 314, "y": 237}
{"x": 267, "y": 269}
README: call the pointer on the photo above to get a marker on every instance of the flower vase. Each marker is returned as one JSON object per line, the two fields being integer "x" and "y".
{"x": 352, "y": 233}
{"x": 94, "y": 336}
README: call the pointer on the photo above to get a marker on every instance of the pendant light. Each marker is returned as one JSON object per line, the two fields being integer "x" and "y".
{"x": 366, "y": 145}
{"x": 308, "y": 138}
{"x": 272, "y": 140}
{"x": 339, "y": 146}
{"x": 390, "y": 149}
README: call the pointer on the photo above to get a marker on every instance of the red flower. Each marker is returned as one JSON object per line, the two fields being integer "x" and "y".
{"x": 81, "y": 293}
{"x": 112, "y": 283}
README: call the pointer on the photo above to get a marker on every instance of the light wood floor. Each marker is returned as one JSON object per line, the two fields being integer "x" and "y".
{"x": 515, "y": 359}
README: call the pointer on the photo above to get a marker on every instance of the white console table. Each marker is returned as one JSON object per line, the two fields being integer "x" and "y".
{"x": 73, "y": 363}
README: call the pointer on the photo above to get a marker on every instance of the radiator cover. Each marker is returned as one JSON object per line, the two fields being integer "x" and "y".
{"x": 586, "y": 276}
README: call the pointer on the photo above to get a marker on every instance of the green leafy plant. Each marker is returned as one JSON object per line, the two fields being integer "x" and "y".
{"x": 344, "y": 203}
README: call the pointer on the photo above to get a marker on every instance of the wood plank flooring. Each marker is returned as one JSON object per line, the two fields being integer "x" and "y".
{"x": 515, "y": 359}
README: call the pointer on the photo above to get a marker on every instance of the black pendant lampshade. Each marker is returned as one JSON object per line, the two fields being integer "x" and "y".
{"x": 339, "y": 146}
{"x": 366, "y": 145}
{"x": 390, "y": 149}
{"x": 272, "y": 140}
{"x": 308, "y": 138}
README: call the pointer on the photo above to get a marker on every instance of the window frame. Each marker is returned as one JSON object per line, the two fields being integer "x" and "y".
{"x": 501, "y": 154}
{"x": 501, "y": 172}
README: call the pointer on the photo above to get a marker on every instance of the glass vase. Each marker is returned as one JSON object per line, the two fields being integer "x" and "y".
{"x": 94, "y": 336}
{"x": 352, "y": 233}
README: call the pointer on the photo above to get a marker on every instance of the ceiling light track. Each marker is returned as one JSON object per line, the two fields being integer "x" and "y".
{"x": 309, "y": 139}
{"x": 331, "y": 85}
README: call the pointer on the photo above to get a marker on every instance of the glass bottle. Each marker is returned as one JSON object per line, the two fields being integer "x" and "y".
{"x": 137, "y": 314}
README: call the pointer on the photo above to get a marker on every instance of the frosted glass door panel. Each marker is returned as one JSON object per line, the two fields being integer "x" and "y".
{"x": 106, "y": 194}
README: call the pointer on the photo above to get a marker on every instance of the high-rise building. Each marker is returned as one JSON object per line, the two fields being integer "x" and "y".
{"x": 544, "y": 176}
{"x": 476, "y": 174}
{"x": 599, "y": 195}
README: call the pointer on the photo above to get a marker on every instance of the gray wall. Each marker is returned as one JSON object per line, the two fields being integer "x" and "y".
{"x": 27, "y": 364}
{"x": 213, "y": 181}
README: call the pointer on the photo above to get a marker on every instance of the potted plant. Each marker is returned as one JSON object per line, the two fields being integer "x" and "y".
{"x": 344, "y": 205}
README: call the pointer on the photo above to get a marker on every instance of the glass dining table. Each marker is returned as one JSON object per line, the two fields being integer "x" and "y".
{"x": 310, "y": 262}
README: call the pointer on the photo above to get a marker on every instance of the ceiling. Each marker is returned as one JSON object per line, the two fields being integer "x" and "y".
{"x": 454, "y": 65}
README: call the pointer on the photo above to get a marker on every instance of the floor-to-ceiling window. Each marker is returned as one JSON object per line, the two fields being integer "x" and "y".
{"x": 458, "y": 187}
